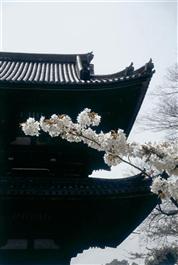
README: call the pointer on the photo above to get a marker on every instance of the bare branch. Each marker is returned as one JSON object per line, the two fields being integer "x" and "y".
{"x": 165, "y": 114}
{"x": 167, "y": 213}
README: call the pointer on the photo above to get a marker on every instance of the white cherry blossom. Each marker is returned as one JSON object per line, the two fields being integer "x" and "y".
{"x": 31, "y": 127}
{"x": 158, "y": 157}
{"x": 115, "y": 142}
{"x": 173, "y": 186}
{"x": 160, "y": 187}
{"x": 87, "y": 118}
{"x": 111, "y": 160}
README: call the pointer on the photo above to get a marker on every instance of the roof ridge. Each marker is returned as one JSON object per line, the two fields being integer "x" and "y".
{"x": 45, "y": 57}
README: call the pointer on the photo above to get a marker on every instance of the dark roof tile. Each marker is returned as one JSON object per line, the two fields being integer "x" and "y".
{"x": 132, "y": 186}
{"x": 60, "y": 69}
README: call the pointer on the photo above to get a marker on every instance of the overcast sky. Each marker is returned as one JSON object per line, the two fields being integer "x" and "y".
{"x": 117, "y": 33}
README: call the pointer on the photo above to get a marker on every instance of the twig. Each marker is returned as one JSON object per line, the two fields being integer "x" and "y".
{"x": 170, "y": 213}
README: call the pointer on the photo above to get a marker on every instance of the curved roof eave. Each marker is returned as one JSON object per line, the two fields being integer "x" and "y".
{"x": 91, "y": 84}
{"x": 61, "y": 69}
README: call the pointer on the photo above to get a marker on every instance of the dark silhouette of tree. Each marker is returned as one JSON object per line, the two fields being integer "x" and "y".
{"x": 164, "y": 117}
{"x": 122, "y": 262}
{"x": 162, "y": 256}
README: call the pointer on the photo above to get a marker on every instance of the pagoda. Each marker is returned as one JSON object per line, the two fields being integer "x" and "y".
{"x": 46, "y": 194}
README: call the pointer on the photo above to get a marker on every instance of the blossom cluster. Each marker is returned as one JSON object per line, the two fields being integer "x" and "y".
{"x": 165, "y": 188}
{"x": 31, "y": 127}
{"x": 160, "y": 157}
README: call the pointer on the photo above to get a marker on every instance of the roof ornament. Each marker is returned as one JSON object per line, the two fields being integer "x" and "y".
{"x": 83, "y": 69}
{"x": 149, "y": 66}
{"x": 90, "y": 56}
{"x": 129, "y": 70}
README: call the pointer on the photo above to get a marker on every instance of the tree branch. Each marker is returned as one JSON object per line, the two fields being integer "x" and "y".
{"x": 170, "y": 213}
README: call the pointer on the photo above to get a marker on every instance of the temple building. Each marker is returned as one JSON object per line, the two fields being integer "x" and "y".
{"x": 46, "y": 194}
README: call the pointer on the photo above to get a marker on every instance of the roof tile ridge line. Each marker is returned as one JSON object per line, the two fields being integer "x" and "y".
{"x": 14, "y": 70}
{"x": 36, "y": 53}
{"x": 4, "y": 68}
{"x": 38, "y": 72}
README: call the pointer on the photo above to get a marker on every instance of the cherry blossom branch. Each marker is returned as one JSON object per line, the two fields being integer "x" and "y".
{"x": 123, "y": 160}
{"x": 160, "y": 157}
{"x": 133, "y": 165}
{"x": 170, "y": 213}
{"x": 174, "y": 201}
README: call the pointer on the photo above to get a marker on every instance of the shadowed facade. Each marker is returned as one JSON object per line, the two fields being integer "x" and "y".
{"x": 45, "y": 190}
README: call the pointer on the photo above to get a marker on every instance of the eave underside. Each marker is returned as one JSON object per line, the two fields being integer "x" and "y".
{"x": 78, "y": 222}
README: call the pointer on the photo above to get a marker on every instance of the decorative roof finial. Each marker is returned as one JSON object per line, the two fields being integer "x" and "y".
{"x": 129, "y": 70}
{"x": 149, "y": 66}
{"x": 83, "y": 69}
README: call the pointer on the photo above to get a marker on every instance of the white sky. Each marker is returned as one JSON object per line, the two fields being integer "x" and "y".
{"x": 117, "y": 33}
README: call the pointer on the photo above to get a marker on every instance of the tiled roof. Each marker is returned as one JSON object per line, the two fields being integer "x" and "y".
{"x": 60, "y": 69}
{"x": 133, "y": 186}
{"x": 38, "y": 72}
